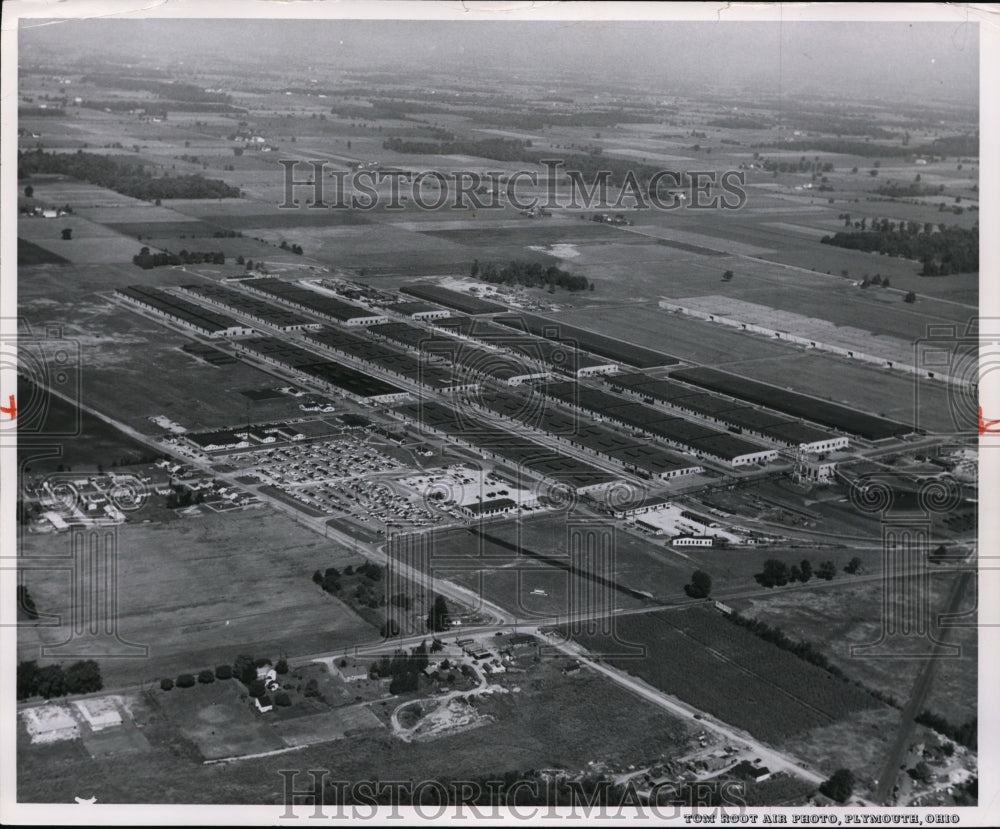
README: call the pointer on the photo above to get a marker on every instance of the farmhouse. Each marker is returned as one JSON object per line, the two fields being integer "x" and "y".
{"x": 353, "y": 673}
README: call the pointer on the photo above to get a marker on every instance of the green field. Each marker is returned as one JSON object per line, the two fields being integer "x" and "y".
{"x": 200, "y": 590}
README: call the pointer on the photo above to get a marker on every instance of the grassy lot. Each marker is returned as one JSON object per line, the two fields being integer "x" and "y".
{"x": 201, "y": 590}
{"x": 134, "y": 367}
{"x": 526, "y": 585}
{"x": 84, "y": 441}
{"x": 851, "y": 615}
{"x": 549, "y": 721}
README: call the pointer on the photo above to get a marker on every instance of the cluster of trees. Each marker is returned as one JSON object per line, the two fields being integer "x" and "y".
{"x": 588, "y": 165}
{"x": 170, "y": 90}
{"x": 800, "y": 166}
{"x": 123, "y": 175}
{"x": 700, "y": 586}
{"x": 293, "y": 248}
{"x": 911, "y": 190}
{"x": 147, "y": 260}
{"x": 777, "y": 573}
{"x": 245, "y": 670}
{"x": 876, "y": 280}
{"x": 368, "y": 575}
{"x": 846, "y": 146}
{"x": 404, "y": 668}
{"x": 839, "y": 786}
{"x": 530, "y": 274}
{"x": 839, "y": 125}
{"x": 501, "y": 149}
{"x": 34, "y": 112}
{"x": 950, "y": 250}
{"x": 52, "y": 681}
{"x": 966, "y": 734}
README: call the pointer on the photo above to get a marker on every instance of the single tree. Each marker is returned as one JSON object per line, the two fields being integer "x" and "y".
{"x": 839, "y": 785}
{"x": 29, "y": 191}
{"x": 700, "y": 586}
{"x": 67, "y": 234}
{"x": 826, "y": 570}
{"x": 244, "y": 669}
{"x": 805, "y": 570}
{"x": 437, "y": 619}
{"x": 84, "y": 677}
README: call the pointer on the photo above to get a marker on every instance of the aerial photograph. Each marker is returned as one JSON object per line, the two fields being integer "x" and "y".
{"x": 551, "y": 416}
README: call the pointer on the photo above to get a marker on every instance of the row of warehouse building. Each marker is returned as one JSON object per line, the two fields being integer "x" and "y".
{"x": 558, "y": 356}
{"x": 180, "y": 310}
{"x": 679, "y": 432}
{"x": 733, "y": 414}
{"x": 333, "y": 375}
{"x": 433, "y": 375}
{"x": 471, "y": 359}
{"x": 464, "y": 427}
{"x": 322, "y": 304}
{"x": 637, "y": 456}
{"x": 250, "y": 306}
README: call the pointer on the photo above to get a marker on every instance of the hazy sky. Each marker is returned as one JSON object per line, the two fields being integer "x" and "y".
{"x": 855, "y": 59}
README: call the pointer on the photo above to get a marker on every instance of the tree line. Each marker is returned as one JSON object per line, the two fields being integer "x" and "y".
{"x": 949, "y": 250}
{"x": 588, "y": 165}
{"x": 404, "y": 669}
{"x": 147, "y": 260}
{"x": 82, "y": 677}
{"x": 966, "y": 734}
{"x": 170, "y": 90}
{"x": 125, "y": 176}
{"x": 529, "y": 274}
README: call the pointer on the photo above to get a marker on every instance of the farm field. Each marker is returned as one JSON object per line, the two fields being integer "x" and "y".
{"x": 851, "y": 615}
{"x": 644, "y": 564}
{"x": 711, "y": 663}
{"x": 198, "y": 590}
{"x": 85, "y": 441}
{"x": 871, "y": 389}
{"x": 132, "y": 364}
{"x": 28, "y": 253}
{"x": 551, "y": 721}
{"x": 234, "y": 574}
